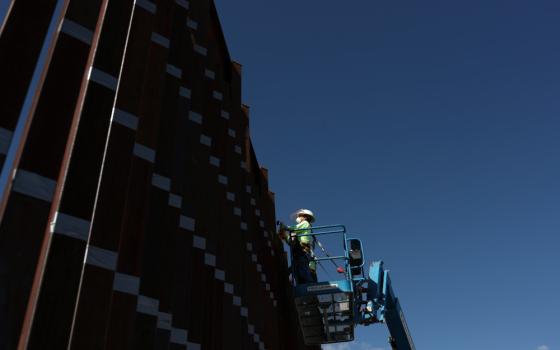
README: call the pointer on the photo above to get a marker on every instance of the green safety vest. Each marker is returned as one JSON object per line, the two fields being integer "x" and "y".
{"x": 305, "y": 228}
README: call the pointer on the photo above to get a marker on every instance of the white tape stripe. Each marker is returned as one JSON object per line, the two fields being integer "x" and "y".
{"x": 220, "y": 275}
{"x": 126, "y": 283}
{"x": 215, "y": 161}
{"x": 183, "y": 3}
{"x": 126, "y": 119}
{"x": 147, "y": 305}
{"x": 5, "y": 140}
{"x": 175, "y": 200}
{"x": 210, "y": 259}
{"x": 103, "y": 78}
{"x": 206, "y": 140}
{"x": 184, "y": 92}
{"x": 223, "y": 179}
{"x": 164, "y": 321}
{"x": 217, "y": 95}
{"x": 178, "y": 336}
{"x": 192, "y": 24}
{"x": 174, "y": 71}
{"x": 71, "y": 226}
{"x": 34, "y": 185}
{"x": 199, "y": 242}
{"x": 210, "y": 74}
{"x": 161, "y": 182}
{"x": 147, "y": 5}
{"x": 103, "y": 258}
{"x": 160, "y": 40}
{"x": 193, "y": 346}
{"x": 200, "y": 50}
{"x": 195, "y": 117}
{"x": 77, "y": 31}
{"x": 186, "y": 222}
{"x": 144, "y": 152}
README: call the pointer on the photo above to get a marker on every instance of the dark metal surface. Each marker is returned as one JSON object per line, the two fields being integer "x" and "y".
{"x": 139, "y": 217}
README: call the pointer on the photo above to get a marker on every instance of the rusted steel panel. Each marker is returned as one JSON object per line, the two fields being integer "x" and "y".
{"x": 162, "y": 217}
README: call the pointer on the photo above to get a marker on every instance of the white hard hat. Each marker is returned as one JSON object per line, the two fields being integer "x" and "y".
{"x": 305, "y": 212}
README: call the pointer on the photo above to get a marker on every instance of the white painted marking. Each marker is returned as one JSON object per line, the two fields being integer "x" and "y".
{"x": 210, "y": 74}
{"x": 183, "y": 3}
{"x": 34, "y": 185}
{"x": 126, "y": 283}
{"x": 200, "y": 50}
{"x": 77, "y": 31}
{"x": 220, "y": 275}
{"x": 217, "y": 95}
{"x": 195, "y": 117}
{"x": 184, "y": 92}
{"x": 71, "y": 226}
{"x": 178, "y": 336}
{"x": 199, "y": 242}
{"x": 164, "y": 320}
{"x": 222, "y": 179}
{"x": 160, "y": 40}
{"x": 161, "y": 182}
{"x": 144, "y": 152}
{"x": 186, "y": 222}
{"x": 192, "y": 24}
{"x": 147, "y": 305}
{"x": 102, "y": 78}
{"x": 215, "y": 161}
{"x": 103, "y": 258}
{"x": 206, "y": 140}
{"x": 174, "y": 71}
{"x": 210, "y": 259}
{"x": 126, "y": 119}
{"x": 175, "y": 200}
{"x": 146, "y": 5}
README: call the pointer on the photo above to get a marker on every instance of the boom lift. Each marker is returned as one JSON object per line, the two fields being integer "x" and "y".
{"x": 329, "y": 310}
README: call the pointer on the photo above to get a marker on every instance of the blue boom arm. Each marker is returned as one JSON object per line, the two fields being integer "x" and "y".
{"x": 383, "y": 306}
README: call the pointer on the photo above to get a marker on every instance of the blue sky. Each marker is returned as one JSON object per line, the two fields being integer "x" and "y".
{"x": 431, "y": 130}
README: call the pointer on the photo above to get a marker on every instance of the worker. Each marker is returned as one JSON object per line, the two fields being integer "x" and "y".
{"x": 305, "y": 266}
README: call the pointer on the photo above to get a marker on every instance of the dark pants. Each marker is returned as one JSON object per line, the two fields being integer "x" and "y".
{"x": 302, "y": 272}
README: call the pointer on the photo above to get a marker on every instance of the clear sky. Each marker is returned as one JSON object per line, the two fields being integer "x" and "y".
{"x": 431, "y": 129}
